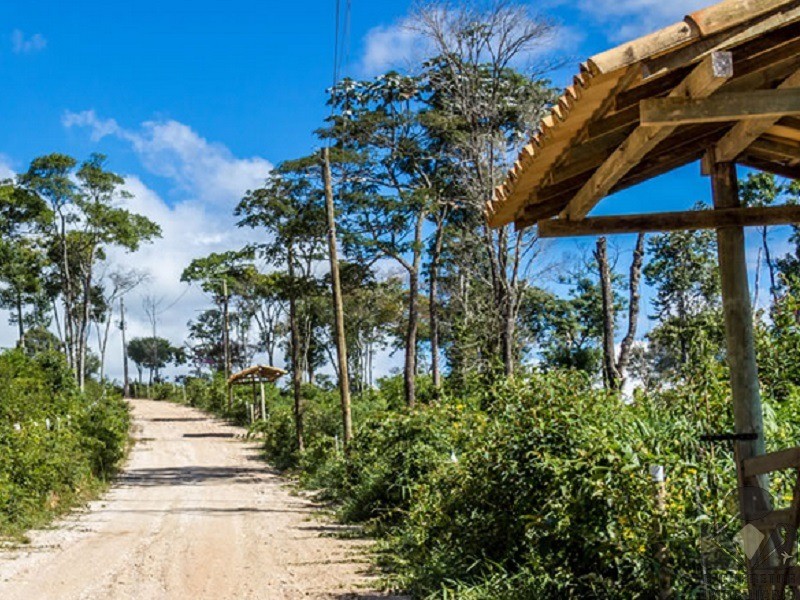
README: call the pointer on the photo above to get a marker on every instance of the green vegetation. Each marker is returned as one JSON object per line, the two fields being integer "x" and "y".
{"x": 511, "y": 456}
{"x": 63, "y": 428}
{"x": 58, "y": 445}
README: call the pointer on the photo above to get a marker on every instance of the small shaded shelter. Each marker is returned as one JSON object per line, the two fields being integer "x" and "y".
{"x": 722, "y": 86}
{"x": 257, "y": 374}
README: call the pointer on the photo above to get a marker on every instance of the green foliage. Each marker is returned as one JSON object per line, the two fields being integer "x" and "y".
{"x": 55, "y": 442}
{"x": 153, "y": 353}
{"x": 532, "y": 488}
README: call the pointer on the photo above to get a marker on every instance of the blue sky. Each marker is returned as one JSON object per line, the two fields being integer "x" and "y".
{"x": 193, "y": 103}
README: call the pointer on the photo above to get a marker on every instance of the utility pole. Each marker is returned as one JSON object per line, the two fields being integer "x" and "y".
{"x": 338, "y": 310}
{"x": 226, "y": 340}
{"x": 126, "y": 385}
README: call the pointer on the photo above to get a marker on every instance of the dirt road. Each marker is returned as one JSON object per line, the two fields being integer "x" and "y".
{"x": 195, "y": 515}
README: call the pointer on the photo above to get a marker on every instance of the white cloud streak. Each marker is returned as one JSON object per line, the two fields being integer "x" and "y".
{"x": 22, "y": 44}
{"x": 627, "y": 19}
{"x": 205, "y": 170}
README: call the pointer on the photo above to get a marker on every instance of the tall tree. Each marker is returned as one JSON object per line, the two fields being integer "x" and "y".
{"x": 22, "y": 260}
{"x": 153, "y": 354}
{"x": 85, "y": 222}
{"x": 764, "y": 189}
{"x": 683, "y": 269}
{"x": 390, "y": 167}
{"x": 484, "y": 112}
{"x": 115, "y": 284}
{"x": 289, "y": 207}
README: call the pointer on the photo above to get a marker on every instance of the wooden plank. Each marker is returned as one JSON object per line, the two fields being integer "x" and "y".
{"x": 671, "y": 221}
{"x": 757, "y": 162}
{"x": 758, "y": 70}
{"x": 550, "y": 145}
{"x": 768, "y": 28}
{"x": 745, "y": 133}
{"x": 542, "y": 210}
{"x": 774, "y": 461}
{"x": 703, "y": 81}
{"x": 739, "y": 340}
{"x": 787, "y": 133}
{"x": 773, "y": 519}
{"x": 724, "y": 15}
{"x": 583, "y": 133}
{"x": 632, "y": 52}
{"x": 758, "y": 104}
{"x": 776, "y": 149}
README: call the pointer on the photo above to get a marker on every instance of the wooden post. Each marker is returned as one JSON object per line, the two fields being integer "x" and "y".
{"x": 341, "y": 341}
{"x": 126, "y": 383}
{"x": 739, "y": 332}
{"x": 263, "y": 402}
{"x": 660, "y": 551}
{"x": 226, "y": 341}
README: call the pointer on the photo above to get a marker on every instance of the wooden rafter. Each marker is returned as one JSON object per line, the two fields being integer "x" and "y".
{"x": 757, "y": 104}
{"x": 745, "y": 133}
{"x": 556, "y": 172}
{"x": 720, "y": 41}
{"x": 671, "y": 221}
{"x": 703, "y": 81}
{"x": 775, "y": 461}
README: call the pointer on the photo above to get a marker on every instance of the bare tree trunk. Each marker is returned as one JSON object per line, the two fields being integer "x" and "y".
{"x": 69, "y": 336}
{"x": 20, "y": 321}
{"x": 773, "y": 288}
{"x": 297, "y": 373}
{"x": 757, "y": 282}
{"x": 410, "y": 370}
{"x": 83, "y": 326}
{"x": 611, "y": 377}
{"x": 126, "y": 386}
{"x": 433, "y": 304}
{"x": 634, "y": 300}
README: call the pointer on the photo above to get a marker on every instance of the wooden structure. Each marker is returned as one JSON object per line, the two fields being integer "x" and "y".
{"x": 722, "y": 86}
{"x": 257, "y": 374}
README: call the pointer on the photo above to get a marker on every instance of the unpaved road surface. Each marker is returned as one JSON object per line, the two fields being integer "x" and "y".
{"x": 194, "y": 515}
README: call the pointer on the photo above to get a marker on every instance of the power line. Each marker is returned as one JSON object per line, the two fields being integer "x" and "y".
{"x": 337, "y": 33}
{"x": 341, "y": 43}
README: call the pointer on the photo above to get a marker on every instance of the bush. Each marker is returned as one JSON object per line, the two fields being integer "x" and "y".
{"x": 55, "y": 443}
{"x": 535, "y": 488}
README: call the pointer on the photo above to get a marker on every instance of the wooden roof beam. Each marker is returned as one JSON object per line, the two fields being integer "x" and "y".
{"x": 745, "y": 133}
{"x": 671, "y": 221}
{"x": 703, "y": 81}
{"x": 758, "y": 104}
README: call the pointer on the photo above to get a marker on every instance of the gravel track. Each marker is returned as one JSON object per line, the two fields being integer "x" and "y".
{"x": 194, "y": 515}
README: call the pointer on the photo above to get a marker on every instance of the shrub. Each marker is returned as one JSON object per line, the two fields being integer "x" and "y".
{"x": 55, "y": 442}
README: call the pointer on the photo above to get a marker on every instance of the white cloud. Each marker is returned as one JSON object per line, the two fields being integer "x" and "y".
{"x": 627, "y": 19}
{"x": 6, "y": 172}
{"x": 189, "y": 230}
{"x": 392, "y": 46}
{"x": 22, "y": 44}
{"x": 205, "y": 170}
{"x": 100, "y": 128}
